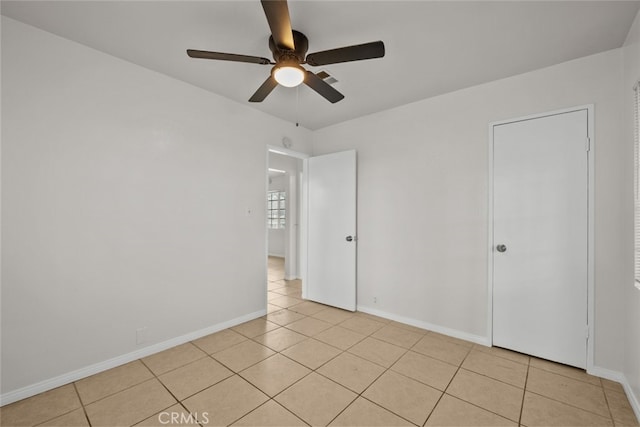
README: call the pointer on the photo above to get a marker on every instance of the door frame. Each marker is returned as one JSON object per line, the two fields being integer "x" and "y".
{"x": 302, "y": 212}
{"x": 590, "y": 222}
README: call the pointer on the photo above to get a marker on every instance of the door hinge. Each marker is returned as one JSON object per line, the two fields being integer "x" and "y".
{"x": 587, "y": 332}
{"x": 587, "y": 144}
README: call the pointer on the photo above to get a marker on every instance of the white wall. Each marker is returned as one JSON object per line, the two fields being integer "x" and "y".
{"x": 631, "y": 52}
{"x": 117, "y": 211}
{"x": 422, "y": 197}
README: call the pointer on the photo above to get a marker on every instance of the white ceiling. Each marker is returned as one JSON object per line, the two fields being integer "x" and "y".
{"x": 432, "y": 47}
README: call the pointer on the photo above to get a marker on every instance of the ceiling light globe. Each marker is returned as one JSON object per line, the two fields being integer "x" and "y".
{"x": 289, "y": 76}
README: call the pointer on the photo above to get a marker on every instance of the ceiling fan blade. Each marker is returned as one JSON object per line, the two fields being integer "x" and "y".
{"x": 264, "y": 90}
{"x": 323, "y": 88}
{"x": 205, "y": 54}
{"x": 347, "y": 54}
{"x": 277, "y": 13}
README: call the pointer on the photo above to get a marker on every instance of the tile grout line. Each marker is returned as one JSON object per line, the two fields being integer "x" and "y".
{"x": 84, "y": 410}
{"x": 342, "y": 351}
{"x": 271, "y": 399}
{"x": 343, "y": 409}
{"x": 606, "y": 399}
{"x": 178, "y": 367}
{"x": 480, "y": 347}
{"x": 156, "y": 377}
{"x": 276, "y": 352}
{"x": 524, "y": 392}
{"x": 289, "y": 358}
{"x": 119, "y": 391}
{"x": 566, "y": 376}
{"x": 186, "y": 410}
{"x": 387, "y": 409}
{"x": 567, "y": 404}
{"x": 386, "y": 369}
{"x": 178, "y": 401}
{"x": 361, "y": 394}
{"x": 263, "y": 403}
{"x": 448, "y": 385}
{"x": 65, "y": 413}
{"x": 494, "y": 379}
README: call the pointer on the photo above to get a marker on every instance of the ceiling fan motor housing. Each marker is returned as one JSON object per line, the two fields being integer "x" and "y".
{"x": 301, "y": 44}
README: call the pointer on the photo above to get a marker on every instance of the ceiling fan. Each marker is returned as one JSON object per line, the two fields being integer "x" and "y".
{"x": 289, "y": 48}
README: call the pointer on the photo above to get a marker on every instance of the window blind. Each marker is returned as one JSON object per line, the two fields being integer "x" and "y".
{"x": 636, "y": 183}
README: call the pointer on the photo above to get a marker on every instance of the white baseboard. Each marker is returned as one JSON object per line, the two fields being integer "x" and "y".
{"x": 622, "y": 379}
{"x": 42, "y": 386}
{"x": 276, "y": 255}
{"x": 478, "y": 339}
{"x": 606, "y": 374}
{"x": 634, "y": 400}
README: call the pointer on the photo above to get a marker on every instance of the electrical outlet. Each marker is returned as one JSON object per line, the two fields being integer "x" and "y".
{"x": 375, "y": 300}
{"x": 141, "y": 335}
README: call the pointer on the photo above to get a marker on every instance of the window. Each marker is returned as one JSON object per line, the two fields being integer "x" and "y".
{"x": 636, "y": 184}
{"x": 276, "y": 216}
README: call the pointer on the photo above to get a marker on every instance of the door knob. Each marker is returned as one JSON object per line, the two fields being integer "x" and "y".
{"x": 501, "y": 248}
{"x": 349, "y": 238}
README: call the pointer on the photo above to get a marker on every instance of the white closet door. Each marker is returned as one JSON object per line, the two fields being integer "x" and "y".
{"x": 540, "y": 220}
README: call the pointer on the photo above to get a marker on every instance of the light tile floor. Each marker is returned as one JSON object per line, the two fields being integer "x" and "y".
{"x": 308, "y": 364}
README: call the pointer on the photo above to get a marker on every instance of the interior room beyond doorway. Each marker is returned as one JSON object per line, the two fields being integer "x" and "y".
{"x": 283, "y": 211}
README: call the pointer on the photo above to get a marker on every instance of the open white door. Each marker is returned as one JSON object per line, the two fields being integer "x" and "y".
{"x": 331, "y": 225}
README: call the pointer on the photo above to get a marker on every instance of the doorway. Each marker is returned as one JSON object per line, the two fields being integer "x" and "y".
{"x": 319, "y": 200}
{"x": 540, "y": 221}
{"x": 284, "y": 228}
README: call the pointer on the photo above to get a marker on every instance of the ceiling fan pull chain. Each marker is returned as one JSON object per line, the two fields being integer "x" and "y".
{"x": 297, "y": 106}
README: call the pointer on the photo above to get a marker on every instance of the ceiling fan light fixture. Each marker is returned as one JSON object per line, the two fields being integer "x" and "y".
{"x": 289, "y": 74}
